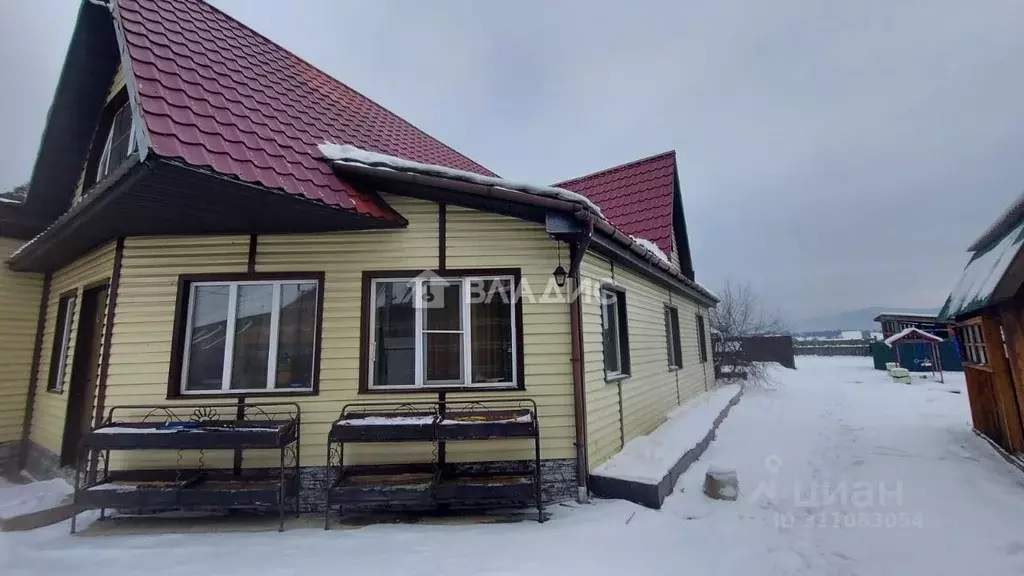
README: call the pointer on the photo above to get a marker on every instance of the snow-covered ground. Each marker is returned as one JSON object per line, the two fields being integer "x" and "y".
{"x": 841, "y": 472}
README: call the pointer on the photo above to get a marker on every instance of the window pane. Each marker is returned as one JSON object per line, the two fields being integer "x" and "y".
{"x": 442, "y": 357}
{"x": 61, "y": 343}
{"x": 490, "y": 315}
{"x": 120, "y": 140}
{"x": 206, "y": 340}
{"x": 394, "y": 347}
{"x": 252, "y": 336}
{"x": 443, "y": 304}
{"x": 611, "y": 333}
{"x": 677, "y": 352}
{"x": 296, "y": 333}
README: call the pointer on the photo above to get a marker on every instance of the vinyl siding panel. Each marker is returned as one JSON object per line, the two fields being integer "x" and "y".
{"x": 619, "y": 411}
{"x": 143, "y": 323}
{"x": 140, "y": 354}
{"x": 19, "y": 311}
{"x": 484, "y": 240}
{"x": 604, "y": 436}
{"x": 49, "y": 408}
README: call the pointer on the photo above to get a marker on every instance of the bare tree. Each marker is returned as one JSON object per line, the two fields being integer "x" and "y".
{"x": 18, "y": 193}
{"x": 740, "y": 315}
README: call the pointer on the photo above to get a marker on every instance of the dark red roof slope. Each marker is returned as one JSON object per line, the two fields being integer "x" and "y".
{"x": 636, "y": 198}
{"x": 219, "y": 96}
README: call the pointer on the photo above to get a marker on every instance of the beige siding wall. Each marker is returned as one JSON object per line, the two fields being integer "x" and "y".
{"x": 49, "y": 408}
{"x": 619, "y": 411}
{"x": 143, "y": 322}
{"x": 483, "y": 240}
{"x": 140, "y": 354}
{"x": 19, "y": 312}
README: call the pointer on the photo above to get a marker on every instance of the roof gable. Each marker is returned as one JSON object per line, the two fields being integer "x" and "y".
{"x": 216, "y": 95}
{"x": 636, "y": 198}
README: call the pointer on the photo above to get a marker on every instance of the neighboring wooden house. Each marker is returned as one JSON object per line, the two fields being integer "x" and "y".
{"x": 896, "y": 322}
{"x": 916, "y": 355}
{"x": 190, "y": 241}
{"x": 987, "y": 307}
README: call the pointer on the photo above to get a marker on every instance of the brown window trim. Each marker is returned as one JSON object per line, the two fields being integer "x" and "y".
{"x": 625, "y": 368}
{"x": 702, "y": 336}
{"x": 364, "y": 329}
{"x": 185, "y": 282}
{"x": 674, "y": 345}
{"x": 56, "y": 347}
{"x": 968, "y": 349}
{"x": 99, "y": 139}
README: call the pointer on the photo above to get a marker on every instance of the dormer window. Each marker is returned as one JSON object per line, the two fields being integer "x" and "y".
{"x": 120, "y": 142}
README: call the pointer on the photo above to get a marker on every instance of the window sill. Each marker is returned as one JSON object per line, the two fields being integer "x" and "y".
{"x": 445, "y": 389}
{"x": 615, "y": 377}
{"x": 248, "y": 394}
{"x": 59, "y": 392}
{"x": 674, "y": 368}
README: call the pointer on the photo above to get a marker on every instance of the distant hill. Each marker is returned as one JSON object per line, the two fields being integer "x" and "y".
{"x": 862, "y": 319}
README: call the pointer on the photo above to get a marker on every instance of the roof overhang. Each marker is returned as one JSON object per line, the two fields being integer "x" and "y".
{"x": 912, "y": 336}
{"x": 17, "y": 222}
{"x": 884, "y": 316}
{"x": 607, "y": 240}
{"x": 162, "y": 197}
{"x": 993, "y": 275}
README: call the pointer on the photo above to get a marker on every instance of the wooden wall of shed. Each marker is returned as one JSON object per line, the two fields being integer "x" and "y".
{"x": 619, "y": 411}
{"x": 994, "y": 389}
{"x": 1012, "y": 319}
{"x": 981, "y": 397}
{"x": 1007, "y": 404}
{"x": 19, "y": 312}
{"x": 140, "y": 354}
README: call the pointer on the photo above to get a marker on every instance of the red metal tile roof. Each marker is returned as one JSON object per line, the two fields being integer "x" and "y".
{"x": 636, "y": 198}
{"x": 219, "y": 96}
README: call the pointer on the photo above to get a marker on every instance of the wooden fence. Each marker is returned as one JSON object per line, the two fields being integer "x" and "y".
{"x": 832, "y": 347}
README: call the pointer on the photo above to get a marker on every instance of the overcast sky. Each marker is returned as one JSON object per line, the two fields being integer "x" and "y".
{"x": 836, "y": 155}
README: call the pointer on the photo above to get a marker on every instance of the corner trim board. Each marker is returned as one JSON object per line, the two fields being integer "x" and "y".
{"x": 250, "y": 265}
{"x": 33, "y": 379}
{"x": 108, "y": 332}
{"x": 442, "y": 235}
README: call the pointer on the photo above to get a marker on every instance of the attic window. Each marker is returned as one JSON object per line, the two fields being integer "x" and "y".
{"x": 120, "y": 142}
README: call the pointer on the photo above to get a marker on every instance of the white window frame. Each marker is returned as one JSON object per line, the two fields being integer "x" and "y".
{"x": 65, "y": 344}
{"x": 103, "y": 168}
{"x": 420, "y": 382}
{"x": 229, "y": 344}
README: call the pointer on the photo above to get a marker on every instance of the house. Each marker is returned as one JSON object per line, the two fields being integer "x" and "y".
{"x": 916, "y": 355}
{"x": 211, "y": 218}
{"x": 987, "y": 308}
{"x": 896, "y": 322}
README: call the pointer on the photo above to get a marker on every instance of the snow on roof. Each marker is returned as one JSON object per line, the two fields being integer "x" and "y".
{"x": 916, "y": 333}
{"x": 7, "y": 200}
{"x": 708, "y": 290}
{"x": 651, "y": 247}
{"x": 907, "y": 314}
{"x": 348, "y": 154}
{"x": 982, "y": 274}
{"x": 1011, "y": 216}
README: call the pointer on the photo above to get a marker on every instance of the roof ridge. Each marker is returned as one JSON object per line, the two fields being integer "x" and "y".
{"x": 616, "y": 167}
{"x": 316, "y": 69}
